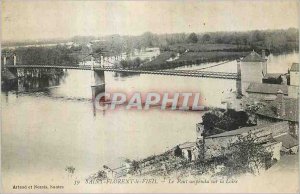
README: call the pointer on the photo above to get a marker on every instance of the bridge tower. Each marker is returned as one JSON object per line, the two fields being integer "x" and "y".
{"x": 9, "y": 60}
{"x": 97, "y": 81}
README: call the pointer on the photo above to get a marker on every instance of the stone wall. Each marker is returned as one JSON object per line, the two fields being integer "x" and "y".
{"x": 217, "y": 146}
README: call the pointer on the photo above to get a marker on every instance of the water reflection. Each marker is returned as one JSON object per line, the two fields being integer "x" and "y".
{"x": 34, "y": 80}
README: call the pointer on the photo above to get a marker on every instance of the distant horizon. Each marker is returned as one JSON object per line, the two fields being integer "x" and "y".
{"x": 123, "y": 35}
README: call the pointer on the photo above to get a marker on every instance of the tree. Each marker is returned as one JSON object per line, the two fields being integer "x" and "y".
{"x": 206, "y": 38}
{"x": 229, "y": 120}
{"x": 192, "y": 38}
{"x": 233, "y": 120}
{"x": 246, "y": 155}
{"x": 209, "y": 121}
{"x": 124, "y": 64}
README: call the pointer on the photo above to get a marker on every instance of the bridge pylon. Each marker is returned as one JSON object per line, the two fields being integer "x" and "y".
{"x": 97, "y": 83}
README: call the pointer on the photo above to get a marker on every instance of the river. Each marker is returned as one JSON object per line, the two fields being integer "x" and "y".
{"x": 43, "y": 133}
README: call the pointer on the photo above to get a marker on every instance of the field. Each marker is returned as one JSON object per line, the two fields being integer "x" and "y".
{"x": 199, "y": 57}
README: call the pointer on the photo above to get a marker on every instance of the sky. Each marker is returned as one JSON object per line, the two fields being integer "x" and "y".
{"x": 33, "y": 19}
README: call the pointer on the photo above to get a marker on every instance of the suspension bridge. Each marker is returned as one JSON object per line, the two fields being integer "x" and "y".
{"x": 98, "y": 83}
{"x": 172, "y": 72}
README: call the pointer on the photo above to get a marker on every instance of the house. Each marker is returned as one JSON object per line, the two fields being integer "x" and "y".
{"x": 217, "y": 145}
{"x": 280, "y": 109}
{"x": 116, "y": 171}
{"x": 189, "y": 150}
{"x": 294, "y": 74}
{"x": 262, "y": 91}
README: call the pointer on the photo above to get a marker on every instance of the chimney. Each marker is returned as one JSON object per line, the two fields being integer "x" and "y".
{"x": 265, "y": 65}
{"x": 280, "y": 104}
{"x": 15, "y": 59}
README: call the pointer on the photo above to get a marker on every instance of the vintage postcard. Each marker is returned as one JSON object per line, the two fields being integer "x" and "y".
{"x": 150, "y": 96}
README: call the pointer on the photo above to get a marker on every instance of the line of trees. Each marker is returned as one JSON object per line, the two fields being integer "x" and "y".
{"x": 58, "y": 55}
{"x": 273, "y": 40}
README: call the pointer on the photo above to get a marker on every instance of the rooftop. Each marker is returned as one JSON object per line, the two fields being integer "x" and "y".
{"x": 295, "y": 67}
{"x": 267, "y": 88}
{"x": 187, "y": 145}
{"x": 288, "y": 141}
{"x": 253, "y": 57}
{"x": 291, "y": 110}
{"x": 272, "y": 75}
{"x": 239, "y": 131}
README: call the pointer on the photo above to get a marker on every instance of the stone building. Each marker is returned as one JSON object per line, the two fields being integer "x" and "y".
{"x": 217, "y": 145}
{"x": 262, "y": 91}
{"x": 252, "y": 69}
{"x": 189, "y": 150}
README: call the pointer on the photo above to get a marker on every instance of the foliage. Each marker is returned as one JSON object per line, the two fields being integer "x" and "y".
{"x": 101, "y": 175}
{"x": 246, "y": 155}
{"x": 275, "y": 41}
{"x": 230, "y": 120}
{"x": 192, "y": 38}
{"x": 135, "y": 165}
{"x": 131, "y": 64}
{"x": 70, "y": 169}
{"x": 209, "y": 121}
{"x": 58, "y": 55}
{"x": 206, "y": 38}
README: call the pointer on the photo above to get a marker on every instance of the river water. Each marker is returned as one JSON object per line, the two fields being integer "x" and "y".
{"x": 42, "y": 133}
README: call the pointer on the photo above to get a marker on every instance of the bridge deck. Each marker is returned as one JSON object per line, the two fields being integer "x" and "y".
{"x": 189, "y": 73}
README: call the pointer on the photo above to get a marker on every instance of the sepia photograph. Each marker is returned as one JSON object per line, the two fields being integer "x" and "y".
{"x": 178, "y": 96}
